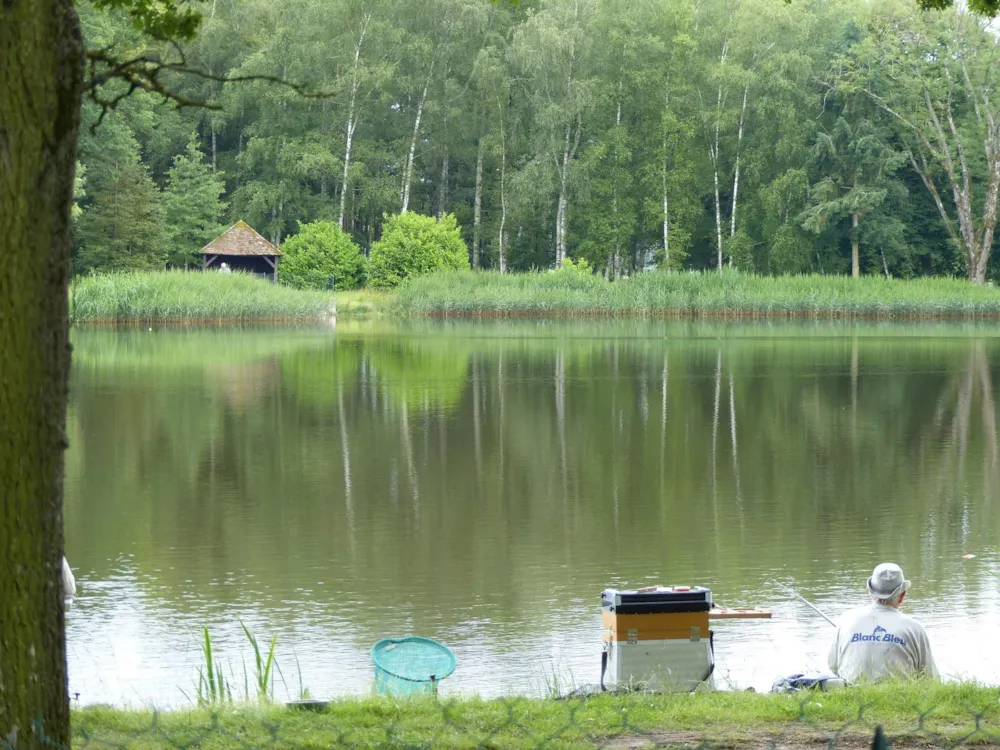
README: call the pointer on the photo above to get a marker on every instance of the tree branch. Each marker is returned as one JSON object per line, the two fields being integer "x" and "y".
{"x": 145, "y": 73}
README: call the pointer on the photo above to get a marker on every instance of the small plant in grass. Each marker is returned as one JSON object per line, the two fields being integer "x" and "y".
{"x": 413, "y": 245}
{"x": 263, "y": 680}
{"x": 213, "y": 687}
{"x": 321, "y": 256}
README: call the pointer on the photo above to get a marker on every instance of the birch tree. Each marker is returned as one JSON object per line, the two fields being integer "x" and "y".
{"x": 552, "y": 55}
{"x": 937, "y": 77}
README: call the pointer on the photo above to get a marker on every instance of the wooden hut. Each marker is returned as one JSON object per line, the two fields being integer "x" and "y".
{"x": 241, "y": 249}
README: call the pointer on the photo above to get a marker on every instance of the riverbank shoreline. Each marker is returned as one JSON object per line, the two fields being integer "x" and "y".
{"x": 691, "y": 295}
{"x": 178, "y": 298}
{"x": 912, "y": 714}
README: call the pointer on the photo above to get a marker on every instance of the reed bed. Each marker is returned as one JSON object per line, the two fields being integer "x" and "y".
{"x": 190, "y": 297}
{"x": 692, "y": 294}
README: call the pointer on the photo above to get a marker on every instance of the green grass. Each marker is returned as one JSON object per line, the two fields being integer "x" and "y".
{"x": 190, "y": 297}
{"x": 917, "y": 713}
{"x": 361, "y": 301}
{"x": 730, "y": 294}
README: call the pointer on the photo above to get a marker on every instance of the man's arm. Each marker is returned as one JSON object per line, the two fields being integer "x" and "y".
{"x": 833, "y": 657}
{"x": 927, "y": 665}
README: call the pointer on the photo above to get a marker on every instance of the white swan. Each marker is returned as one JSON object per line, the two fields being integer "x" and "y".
{"x": 69, "y": 582}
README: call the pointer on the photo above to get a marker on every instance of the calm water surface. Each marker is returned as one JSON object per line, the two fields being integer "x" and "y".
{"x": 481, "y": 484}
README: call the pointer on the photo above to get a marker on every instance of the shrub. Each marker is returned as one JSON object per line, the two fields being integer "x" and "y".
{"x": 321, "y": 251}
{"x": 581, "y": 267}
{"x": 412, "y": 245}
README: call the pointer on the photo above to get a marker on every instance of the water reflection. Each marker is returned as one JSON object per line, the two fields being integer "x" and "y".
{"x": 482, "y": 484}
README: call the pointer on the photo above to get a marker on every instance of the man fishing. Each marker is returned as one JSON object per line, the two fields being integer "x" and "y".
{"x": 878, "y": 641}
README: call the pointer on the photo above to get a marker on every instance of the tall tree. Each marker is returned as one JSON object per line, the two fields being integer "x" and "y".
{"x": 122, "y": 225}
{"x": 936, "y": 75}
{"x": 41, "y": 81}
{"x": 192, "y": 206}
{"x": 857, "y": 164}
{"x": 41, "y": 77}
{"x": 552, "y": 53}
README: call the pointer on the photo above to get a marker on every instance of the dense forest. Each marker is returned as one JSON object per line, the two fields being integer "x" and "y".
{"x": 829, "y": 136}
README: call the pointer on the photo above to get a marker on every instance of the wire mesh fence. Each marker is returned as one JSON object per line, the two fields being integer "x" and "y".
{"x": 809, "y": 719}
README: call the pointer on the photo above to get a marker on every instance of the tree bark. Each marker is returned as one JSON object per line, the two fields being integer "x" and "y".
{"x": 477, "y": 209}
{"x": 41, "y": 73}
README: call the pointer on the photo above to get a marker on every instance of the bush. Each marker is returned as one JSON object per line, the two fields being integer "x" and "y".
{"x": 412, "y": 245}
{"x": 581, "y": 267}
{"x": 321, "y": 251}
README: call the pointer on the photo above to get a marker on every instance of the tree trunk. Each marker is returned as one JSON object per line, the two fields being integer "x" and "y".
{"x": 443, "y": 187}
{"x": 855, "y": 247}
{"x": 666, "y": 221}
{"x": 561, "y": 206}
{"x": 736, "y": 172}
{"x": 713, "y": 152}
{"x": 666, "y": 202}
{"x": 352, "y": 121}
{"x": 503, "y": 199}
{"x": 616, "y": 253}
{"x": 718, "y": 220}
{"x": 477, "y": 210}
{"x": 41, "y": 73}
{"x": 214, "y": 145}
{"x": 562, "y": 211}
{"x": 408, "y": 169}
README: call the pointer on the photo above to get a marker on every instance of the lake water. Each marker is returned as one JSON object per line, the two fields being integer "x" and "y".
{"x": 481, "y": 484}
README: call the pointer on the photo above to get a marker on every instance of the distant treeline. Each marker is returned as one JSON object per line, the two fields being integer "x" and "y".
{"x": 823, "y": 136}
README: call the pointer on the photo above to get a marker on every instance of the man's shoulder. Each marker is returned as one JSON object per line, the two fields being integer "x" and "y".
{"x": 910, "y": 621}
{"x": 851, "y": 616}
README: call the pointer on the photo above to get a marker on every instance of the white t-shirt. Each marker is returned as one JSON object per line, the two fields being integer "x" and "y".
{"x": 876, "y": 642}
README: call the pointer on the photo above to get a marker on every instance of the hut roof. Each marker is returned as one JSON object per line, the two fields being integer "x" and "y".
{"x": 240, "y": 239}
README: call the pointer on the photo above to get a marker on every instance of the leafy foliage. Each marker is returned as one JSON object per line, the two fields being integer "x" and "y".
{"x": 412, "y": 245}
{"x": 121, "y": 224}
{"x": 624, "y": 133}
{"x": 192, "y": 205}
{"x": 322, "y": 256}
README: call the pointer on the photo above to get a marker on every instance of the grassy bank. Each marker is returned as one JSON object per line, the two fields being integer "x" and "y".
{"x": 911, "y": 714}
{"x": 361, "y": 302}
{"x": 730, "y": 294}
{"x": 195, "y": 297}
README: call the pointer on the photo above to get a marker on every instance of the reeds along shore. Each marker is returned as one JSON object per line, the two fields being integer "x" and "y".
{"x": 178, "y": 297}
{"x": 730, "y": 294}
{"x": 181, "y": 297}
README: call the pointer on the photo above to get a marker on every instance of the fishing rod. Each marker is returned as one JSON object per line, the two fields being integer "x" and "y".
{"x": 801, "y": 598}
